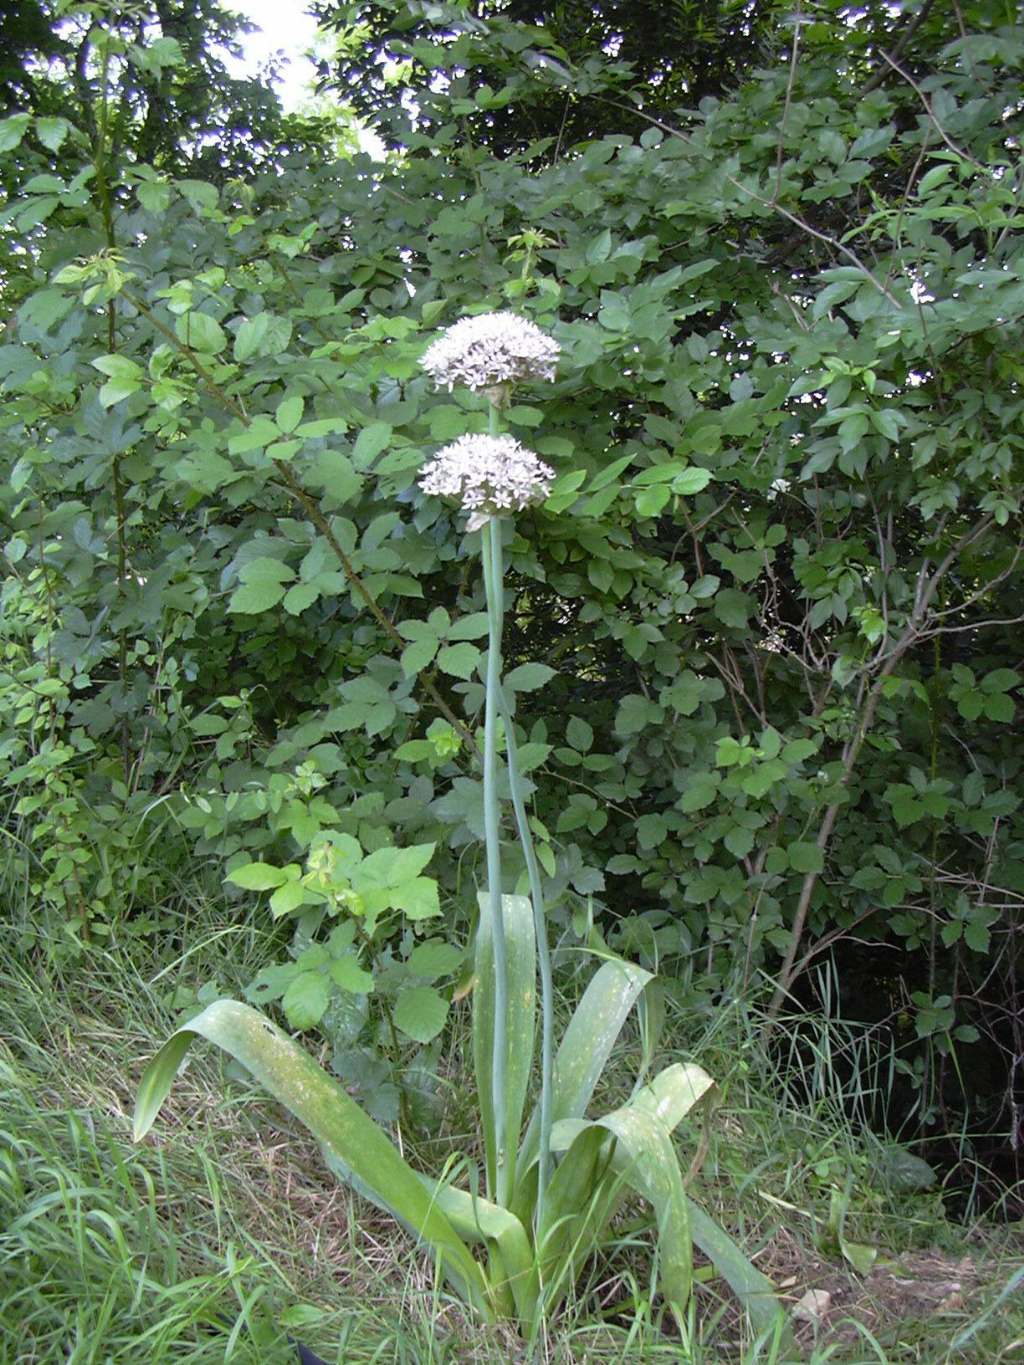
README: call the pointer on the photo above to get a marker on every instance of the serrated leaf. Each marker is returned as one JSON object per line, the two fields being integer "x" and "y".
{"x": 305, "y": 1000}
{"x": 389, "y": 867}
{"x": 434, "y": 958}
{"x": 420, "y": 1013}
{"x": 299, "y": 597}
{"x": 528, "y": 677}
{"x": 458, "y": 660}
{"x": 252, "y": 598}
{"x": 739, "y": 841}
{"x": 12, "y": 130}
{"x": 418, "y": 655}
{"x": 805, "y": 857}
{"x": 260, "y": 432}
{"x": 289, "y": 413}
{"x": 579, "y": 734}
{"x": 470, "y": 627}
{"x": 347, "y": 973}
{"x": 262, "y": 587}
{"x": 288, "y": 898}
{"x": 51, "y": 132}
{"x": 417, "y": 898}
{"x": 257, "y": 876}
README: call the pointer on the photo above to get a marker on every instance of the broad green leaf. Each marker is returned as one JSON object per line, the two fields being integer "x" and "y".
{"x": 434, "y": 958}
{"x": 260, "y": 432}
{"x": 257, "y": 877}
{"x": 805, "y": 857}
{"x": 579, "y": 734}
{"x": 416, "y": 898}
{"x": 347, "y": 973}
{"x": 199, "y": 193}
{"x": 305, "y": 1000}
{"x": 478, "y": 1220}
{"x": 201, "y": 333}
{"x": 673, "y": 1093}
{"x": 350, "y": 1139}
{"x": 753, "y": 1289}
{"x": 585, "y": 1048}
{"x": 12, "y": 130}
{"x": 578, "y": 1204}
{"x": 263, "y": 581}
{"x": 420, "y": 1012}
{"x": 469, "y": 627}
{"x": 458, "y": 660}
{"x": 288, "y": 413}
{"x": 299, "y": 597}
{"x": 394, "y": 866}
{"x": 333, "y": 472}
{"x": 370, "y": 442}
{"x": 521, "y": 955}
{"x": 528, "y": 677}
{"x": 418, "y": 655}
{"x": 646, "y": 1160}
{"x": 51, "y": 132}
{"x": 288, "y": 898}
{"x": 263, "y": 335}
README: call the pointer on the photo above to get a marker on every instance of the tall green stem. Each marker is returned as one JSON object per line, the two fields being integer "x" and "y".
{"x": 543, "y": 955}
{"x": 492, "y": 563}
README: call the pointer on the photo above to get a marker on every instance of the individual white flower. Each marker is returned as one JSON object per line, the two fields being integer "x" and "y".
{"x": 488, "y": 475}
{"x": 489, "y": 350}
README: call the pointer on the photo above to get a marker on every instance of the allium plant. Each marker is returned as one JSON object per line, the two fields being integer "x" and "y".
{"x": 551, "y": 1186}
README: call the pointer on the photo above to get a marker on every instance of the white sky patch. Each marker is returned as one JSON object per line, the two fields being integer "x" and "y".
{"x": 285, "y": 28}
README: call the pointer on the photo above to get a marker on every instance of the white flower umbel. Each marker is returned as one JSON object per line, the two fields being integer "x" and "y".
{"x": 488, "y": 475}
{"x": 490, "y": 350}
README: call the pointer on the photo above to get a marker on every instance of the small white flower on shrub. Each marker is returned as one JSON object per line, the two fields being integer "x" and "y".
{"x": 489, "y": 350}
{"x": 487, "y": 475}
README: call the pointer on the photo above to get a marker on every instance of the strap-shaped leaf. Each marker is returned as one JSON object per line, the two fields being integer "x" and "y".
{"x": 644, "y": 1160}
{"x": 520, "y": 1028}
{"x": 754, "y": 1290}
{"x": 333, "y": 1118}
{"x": 478, "y": 1220}
{"x": 668, "y": 1098}
{"x": 586, "y": 1046}
{"x": 577, "y": 1208}
{"x": 673, "y": 1093}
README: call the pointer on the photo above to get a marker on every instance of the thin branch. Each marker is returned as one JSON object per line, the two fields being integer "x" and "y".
{"x": 875, "y": 80}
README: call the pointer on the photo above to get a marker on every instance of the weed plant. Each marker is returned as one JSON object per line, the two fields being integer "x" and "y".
{"x": 229, "y": 1234}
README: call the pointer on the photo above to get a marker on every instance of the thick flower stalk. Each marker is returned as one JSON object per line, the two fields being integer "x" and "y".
{"x": 490, "y": 476}
{"x": 487, "y": 475}
{"x": 489, "y": 351}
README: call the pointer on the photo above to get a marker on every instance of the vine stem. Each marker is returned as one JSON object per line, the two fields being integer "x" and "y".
{"x": 547, "y": 1009}
{"x": 492, "y": 566}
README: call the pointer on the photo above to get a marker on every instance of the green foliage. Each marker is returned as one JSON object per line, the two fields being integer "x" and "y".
{"x": 530, "y": 1266}
{"x": 764, "y": 637}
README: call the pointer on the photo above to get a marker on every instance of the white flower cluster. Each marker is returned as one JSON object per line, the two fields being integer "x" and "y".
{"x": 488, "y": 475}
{"x": 490, "y": 349}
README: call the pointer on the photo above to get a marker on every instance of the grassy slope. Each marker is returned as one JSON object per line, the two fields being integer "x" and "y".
{"x": 222, "y": 1235}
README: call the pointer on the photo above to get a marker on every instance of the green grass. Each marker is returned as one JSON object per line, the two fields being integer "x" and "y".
{"x": 223, "y": 1234}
